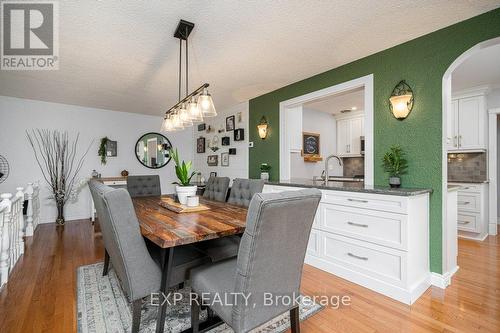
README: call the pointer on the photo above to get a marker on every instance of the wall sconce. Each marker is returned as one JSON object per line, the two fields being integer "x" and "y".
{"x": 262, "y": 127}
{"x": 401, "y": 100}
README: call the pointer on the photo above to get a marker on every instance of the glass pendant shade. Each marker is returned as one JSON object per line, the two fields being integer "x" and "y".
{"x": 164, "y": 125}
{"x": 195, "y": 112}
{"x": 169, "y": 126}
{"x": 184, "y": 116}
{"x": 206, "y": 104}
{"x": 176, "y": 122}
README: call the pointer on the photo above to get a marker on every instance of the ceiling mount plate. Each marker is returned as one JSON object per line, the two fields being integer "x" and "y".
{"x": 183, "y": 30}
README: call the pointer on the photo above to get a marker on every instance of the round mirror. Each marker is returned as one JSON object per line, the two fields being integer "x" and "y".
{"x": 152, "y": 150}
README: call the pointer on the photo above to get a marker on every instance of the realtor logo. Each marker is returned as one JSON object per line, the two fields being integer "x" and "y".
{"x": 30, "y": 35}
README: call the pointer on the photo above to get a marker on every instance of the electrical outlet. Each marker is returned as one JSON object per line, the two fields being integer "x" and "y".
{"x": 250, "y": 144}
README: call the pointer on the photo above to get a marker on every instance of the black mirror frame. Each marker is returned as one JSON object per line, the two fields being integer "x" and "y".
{"x": 137, "y": 157}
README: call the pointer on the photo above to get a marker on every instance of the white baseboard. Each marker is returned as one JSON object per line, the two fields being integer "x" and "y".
{"x": 442, "y": 280}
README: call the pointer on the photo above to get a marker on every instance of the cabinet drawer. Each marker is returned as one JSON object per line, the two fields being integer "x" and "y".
{"x": 469, "y": 188}
{"x": 278, "y": 188}
{"x": 388, "y": 203}
{"x": 378, "y": 262}
{"x": 115, "y": 182}
{"x": 469, "y": 202}
{"x": 468, "y": 221}
{"x": 373, "y": 226}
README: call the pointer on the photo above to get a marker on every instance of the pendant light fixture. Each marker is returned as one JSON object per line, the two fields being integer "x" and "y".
{"x": 194, "y": 106}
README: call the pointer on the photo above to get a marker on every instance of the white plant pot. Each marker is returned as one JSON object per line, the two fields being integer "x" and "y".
{"x": 264, "y": 175}
{"x": 183, "y": 192}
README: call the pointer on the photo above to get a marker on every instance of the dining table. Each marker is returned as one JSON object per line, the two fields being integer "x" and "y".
{"x": 170, "y": 230}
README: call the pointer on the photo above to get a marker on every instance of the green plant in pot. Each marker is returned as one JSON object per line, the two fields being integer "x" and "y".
{"x": 184, "y": 189}
{"x": 264, "y": 171}
{"x": 395, "y": 165}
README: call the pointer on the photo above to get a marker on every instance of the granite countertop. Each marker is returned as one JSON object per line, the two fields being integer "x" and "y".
{"x": 469, "y": 181}
{"x": 351, "y": 187}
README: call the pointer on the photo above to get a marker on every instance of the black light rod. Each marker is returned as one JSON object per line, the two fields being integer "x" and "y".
{"x": 185, "y": 99}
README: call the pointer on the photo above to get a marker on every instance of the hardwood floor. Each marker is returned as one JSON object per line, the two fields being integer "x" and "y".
{"x": 41, "y": 293}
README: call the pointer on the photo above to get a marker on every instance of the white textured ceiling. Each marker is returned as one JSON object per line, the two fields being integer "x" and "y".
{"x": 481, "y": 69}
{"x": 121, "y": 55}
{"x": 349, "y": 100}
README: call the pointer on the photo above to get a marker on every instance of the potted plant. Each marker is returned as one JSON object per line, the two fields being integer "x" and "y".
{"x": 264, "y": 171}
{"x": 395, "y": 164}
{"x": 184, "y": 189}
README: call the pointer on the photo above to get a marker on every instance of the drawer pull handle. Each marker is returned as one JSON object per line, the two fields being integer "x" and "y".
{"x": 357, "y": 224}
{"x": 357, "y": 200}
{"x": 464, "y": 202}
{"x": 463, "y": 222}
{"x": 357, "y": 257}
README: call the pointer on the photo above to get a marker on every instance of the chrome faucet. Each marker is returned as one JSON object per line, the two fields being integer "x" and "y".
{"x": 327, "y": 160}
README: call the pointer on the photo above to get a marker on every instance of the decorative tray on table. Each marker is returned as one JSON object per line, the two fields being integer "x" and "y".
{"x": 170, "y": 204}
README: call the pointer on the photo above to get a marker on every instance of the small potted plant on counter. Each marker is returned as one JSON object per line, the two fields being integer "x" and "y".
{"x": 395, "y": 164}
{"x": 264, "y": 171}
{"x": 184, "y": 189}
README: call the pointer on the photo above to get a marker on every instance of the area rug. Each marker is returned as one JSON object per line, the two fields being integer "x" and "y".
{"x": 103, "y": 307}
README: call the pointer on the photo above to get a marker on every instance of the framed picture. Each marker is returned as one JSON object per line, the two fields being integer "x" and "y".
{"x": 202, "y": 127}
{"x": 111, "y": 148}
{"x": 213, "y": 174}
{"x": 224, "y": 159}
{"x": 232, "y": 151}
{"x": 310, "y": 143}
{"x": 239, "y": 134}
{"x": 230, "y": 123}
{"x": 200, "y": 145}
{"x": 226, "y": 140}
{"x": 213, "y": 160}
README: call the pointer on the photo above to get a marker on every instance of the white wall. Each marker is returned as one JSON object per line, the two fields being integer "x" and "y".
{"x": 493, "y": 99}
{"x": 238, "y": 164}
{"x": 326, "y": 125}
{"x": 18, "y": 115}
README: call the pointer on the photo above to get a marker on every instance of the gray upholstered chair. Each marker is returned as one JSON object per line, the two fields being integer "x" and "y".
{"x": 143, "y": 186}
{"x": 243, "y": 190}
{"x": 216, "y": 188}
{"x": 125, "y": 247}
{"x": 270, "y": 260}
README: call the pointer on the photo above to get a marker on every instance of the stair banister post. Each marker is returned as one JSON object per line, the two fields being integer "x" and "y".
{"x": 29, "y": 213}
{"x": 5, "y": 249}
{"x": 20, "y": 225}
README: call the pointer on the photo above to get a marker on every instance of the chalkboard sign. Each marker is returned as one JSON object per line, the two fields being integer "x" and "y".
{"x": 310, "y": 143}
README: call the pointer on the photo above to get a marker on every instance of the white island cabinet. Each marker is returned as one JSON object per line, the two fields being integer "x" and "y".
{"x": 376, "y": 240}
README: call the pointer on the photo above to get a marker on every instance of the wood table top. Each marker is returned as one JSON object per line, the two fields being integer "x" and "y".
{"x": 166, "y": 228}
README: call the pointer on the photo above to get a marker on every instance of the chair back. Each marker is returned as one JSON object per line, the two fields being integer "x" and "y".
{"x": 243, "y": 190}
{"x": 272, "y": 252}
{"x": 216, "y": 188}
{"x": 138, "y": 273}
{"x": 143, "y": 186}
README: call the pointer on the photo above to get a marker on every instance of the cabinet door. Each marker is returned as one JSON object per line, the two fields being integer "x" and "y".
{"x": 343, "y": 128}
{"x": 294, "y": 128}
{"x": 451, "y": 126}
{"x": 356, "y": 131}
{"x": 470, "y": 123}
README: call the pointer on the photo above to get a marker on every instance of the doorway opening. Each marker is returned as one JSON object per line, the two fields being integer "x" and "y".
{"x": 332, "y": 122}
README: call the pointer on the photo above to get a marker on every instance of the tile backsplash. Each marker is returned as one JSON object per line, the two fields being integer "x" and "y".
{"x": 467, "y": 167}
{"x": 353, "y": 166}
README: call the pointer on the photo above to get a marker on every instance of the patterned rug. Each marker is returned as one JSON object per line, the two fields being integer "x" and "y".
{"x": 103, "y": 307}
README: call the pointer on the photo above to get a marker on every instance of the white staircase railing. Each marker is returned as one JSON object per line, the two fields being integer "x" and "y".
{"x": 14, "y": 227}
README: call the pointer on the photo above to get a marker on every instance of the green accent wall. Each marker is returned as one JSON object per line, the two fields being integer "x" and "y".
{"x": 422, "y": 62}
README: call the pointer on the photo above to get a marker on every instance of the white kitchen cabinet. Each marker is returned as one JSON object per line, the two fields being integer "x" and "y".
{"x": 375, "y": 240}
{"x": 349, "y": 131}
{"x": 472, "y": 203}
{"x": 466, "y": 126}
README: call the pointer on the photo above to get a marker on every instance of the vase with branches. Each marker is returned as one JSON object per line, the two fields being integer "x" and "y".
{"x": 59, "y": 161}
{"x": 395, "y": 165}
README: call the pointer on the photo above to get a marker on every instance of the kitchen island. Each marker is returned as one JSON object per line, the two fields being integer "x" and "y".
{"x": 377, "y": 237}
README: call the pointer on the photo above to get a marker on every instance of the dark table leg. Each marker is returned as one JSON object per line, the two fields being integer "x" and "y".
{"x": 166, "y": 264}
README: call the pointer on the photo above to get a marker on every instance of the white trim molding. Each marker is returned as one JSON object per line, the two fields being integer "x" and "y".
{"x": 442, "y": 280}
{"x": 492, "y": 167}
{"x": 367, "y": 83}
